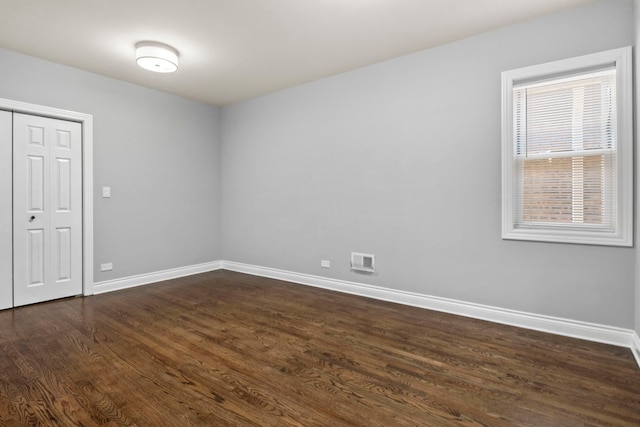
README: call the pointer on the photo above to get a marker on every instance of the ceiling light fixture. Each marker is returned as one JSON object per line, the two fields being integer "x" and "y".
{"x": 157, "y": 57}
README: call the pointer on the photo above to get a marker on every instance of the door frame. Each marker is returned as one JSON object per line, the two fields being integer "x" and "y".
{"x": 86, "y": 120}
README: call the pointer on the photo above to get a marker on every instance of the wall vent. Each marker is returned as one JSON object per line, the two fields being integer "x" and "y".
{"x": 363, "y": 262}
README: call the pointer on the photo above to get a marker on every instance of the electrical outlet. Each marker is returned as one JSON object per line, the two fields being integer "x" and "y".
{"x": 106, "y": 192}
{"x": 106, "y": 267}
{"x": 325, "y": 263}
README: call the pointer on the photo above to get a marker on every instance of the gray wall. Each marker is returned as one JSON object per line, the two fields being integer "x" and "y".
{"x": 159, "y": 153}
{"x": 402, "y": 160}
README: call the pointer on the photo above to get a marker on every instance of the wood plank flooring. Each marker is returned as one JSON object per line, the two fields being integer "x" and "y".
{"x": 227, "y": 349}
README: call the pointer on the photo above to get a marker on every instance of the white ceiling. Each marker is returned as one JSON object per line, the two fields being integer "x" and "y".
{"x": 231, "y": 50}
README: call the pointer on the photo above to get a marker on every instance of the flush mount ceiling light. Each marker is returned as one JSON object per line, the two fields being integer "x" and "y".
{"x": 157, "y": 57}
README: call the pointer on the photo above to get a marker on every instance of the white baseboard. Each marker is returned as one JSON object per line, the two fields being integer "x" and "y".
{"x": 158, "y": 276}
{"x": 559, "y": 326}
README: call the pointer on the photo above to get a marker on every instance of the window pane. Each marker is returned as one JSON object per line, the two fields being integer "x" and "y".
{"x": 565, "y": 190}
{"x": 566, "y": 116}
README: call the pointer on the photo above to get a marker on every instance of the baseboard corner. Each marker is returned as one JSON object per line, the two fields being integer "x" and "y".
{"x": 635, "y": 346}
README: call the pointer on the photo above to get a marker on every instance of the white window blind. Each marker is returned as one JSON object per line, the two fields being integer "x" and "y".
{"x": 565, "y": 152}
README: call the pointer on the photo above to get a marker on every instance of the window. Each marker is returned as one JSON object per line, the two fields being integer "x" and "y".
{"x": 567, "y": 151}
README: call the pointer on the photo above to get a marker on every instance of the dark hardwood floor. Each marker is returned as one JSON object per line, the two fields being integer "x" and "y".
{"x": 227, "y": 349}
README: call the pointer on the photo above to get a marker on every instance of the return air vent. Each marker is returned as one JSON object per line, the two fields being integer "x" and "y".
{"x": 364, "y": 263}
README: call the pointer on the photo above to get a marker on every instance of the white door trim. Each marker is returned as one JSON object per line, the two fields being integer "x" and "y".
{"x": 87, "y": 175}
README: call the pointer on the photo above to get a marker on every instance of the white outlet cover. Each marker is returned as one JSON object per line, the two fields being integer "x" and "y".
{"x": 325, "y": 263}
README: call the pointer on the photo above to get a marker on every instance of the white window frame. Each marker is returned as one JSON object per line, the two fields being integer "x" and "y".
{"x": 621, "y": 59}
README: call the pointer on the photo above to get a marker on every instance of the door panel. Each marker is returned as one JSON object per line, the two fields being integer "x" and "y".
{"x": 35, "y": 184}
{"x": 63, "y": 186}
{"x": 35, "y": 258}
{"x": 63, "y": 254}
{"x": 47, "y": 209}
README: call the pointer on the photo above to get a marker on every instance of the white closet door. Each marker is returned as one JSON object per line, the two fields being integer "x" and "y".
{"x": 6, "y": 243}
{"x": 47, "y": 209}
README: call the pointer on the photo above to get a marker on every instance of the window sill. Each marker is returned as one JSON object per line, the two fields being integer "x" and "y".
{"x": 568, "y": 236}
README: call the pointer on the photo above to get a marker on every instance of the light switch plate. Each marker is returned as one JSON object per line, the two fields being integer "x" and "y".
{"x": 106, "y": 191}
